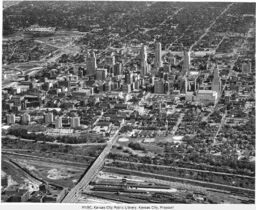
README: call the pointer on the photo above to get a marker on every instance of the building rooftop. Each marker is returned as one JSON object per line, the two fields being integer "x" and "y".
{"x": 207, "y": 91}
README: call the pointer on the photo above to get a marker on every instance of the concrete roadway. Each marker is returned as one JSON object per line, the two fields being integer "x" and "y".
{"x": 175, "y": 128}
{"x": 73, "y": 195}
{"x": 209, "y": 28}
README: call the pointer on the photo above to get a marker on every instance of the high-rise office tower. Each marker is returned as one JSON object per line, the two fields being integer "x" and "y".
{"x": 11, "y": 119}
{"x": 48, "y": 118}
{"x": 185, "y": 84}
{"x": 159, "y": 86}
{"x": 117, "y": 69}
{"x": 192, "y": 86}
{"x": 158, "y": 52}
{"x": 126, "y": 88}
{"x": 91, "y": 63}
{"x": 58, "y": 122}
{"x": 101, "y": 74}
{"x": 75, "y": 122}
{"x": 110, "y": 60}
{"x": 144, "y": 58}
{"x": 216, "y": 82}
{"x": 129, "y": 78}
{"x": 186, "y": 62}
{"x": 173, "y": 60}
{"x": 25, "y": 118}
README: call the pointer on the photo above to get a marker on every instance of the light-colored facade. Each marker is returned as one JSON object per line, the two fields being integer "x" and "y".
{"x": 11, "y": 119}
{"x": 144, "y": 63}
{"x": 158, "y": 52}
{"x": 75, "y": 122}
{"x": 158, "y": 87}
{"x": 206, "y": 97}
{"x": 48, "y": 118}
{"x": 25, "y": 118}
{"x": 91, "y": 64}
{"x": 58, "y": 122}
{"x": 186, "y": 62}
{"x": 216, "y": 82}
{"x": 101, "y": 74}
{"x": 246, "y": 67}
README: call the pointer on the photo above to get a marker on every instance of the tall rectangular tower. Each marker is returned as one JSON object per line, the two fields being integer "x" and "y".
{"x": 144, "y": 58}
{"x": 186, "y": 62}
{"x": 58, "y": 122}
{"x": 158, "y": 52}
{"x": 216, "y": 82}
{"x": 91, "y": 63}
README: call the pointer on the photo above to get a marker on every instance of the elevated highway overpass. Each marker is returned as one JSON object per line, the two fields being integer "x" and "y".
{"x": 73, "y": 194}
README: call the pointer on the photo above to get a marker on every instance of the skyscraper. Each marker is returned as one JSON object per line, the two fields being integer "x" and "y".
{"x": 48, "y": 118}
{"x": 144, "y": 58}
{"x": 216, "y": 82}
{"x": 129, "y": 78}
{"x": 58, "y": 122}
{"x": 158, "y": 51}
{"x": 110, "y": 60}
{"x": 101, "y": 74}
{"x": 159, "y": 86}
{"x": 185, "y": 84}
{"x": 25, "y": 118}
{"x": 186, "y": 62}
{"x": 91, "y": 63}
{"x": 117, "y": 69}
{"x": 11, "y": 119}
{"x": 75, "y": 122}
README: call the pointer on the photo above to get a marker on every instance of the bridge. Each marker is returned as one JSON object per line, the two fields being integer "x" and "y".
{"x": 73, "y": 194}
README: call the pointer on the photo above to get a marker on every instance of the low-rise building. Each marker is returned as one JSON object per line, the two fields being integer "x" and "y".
{"x": 206, "y": 97}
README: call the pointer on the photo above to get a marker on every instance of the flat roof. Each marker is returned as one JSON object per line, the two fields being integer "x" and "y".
{"x": 206, "y": 91}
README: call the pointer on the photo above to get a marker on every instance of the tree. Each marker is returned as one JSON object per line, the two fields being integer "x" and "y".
{"x": 136, "y": 146}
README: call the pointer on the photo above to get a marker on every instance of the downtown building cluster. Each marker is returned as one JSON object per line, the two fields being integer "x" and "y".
{"x": 111, "y": 75}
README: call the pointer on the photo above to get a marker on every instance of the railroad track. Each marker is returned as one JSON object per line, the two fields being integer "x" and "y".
{"x": 48, "y": 160}
{"x": 183, "y": 168}
{"x": 201, "y": 184}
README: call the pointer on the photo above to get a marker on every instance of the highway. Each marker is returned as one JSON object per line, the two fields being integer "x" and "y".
{"x": 201, "y": 37}
{"x": 72, "y": 196}
{"x": 218, "y": 45}
{"x": 170, "y": 17}
{"x": 99, "y": 118}
{"x": 177, "y": 39}
{"x": 223, "y": 120}
{"x": 209, "y": 28}
{"x": 175, "y": 128}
